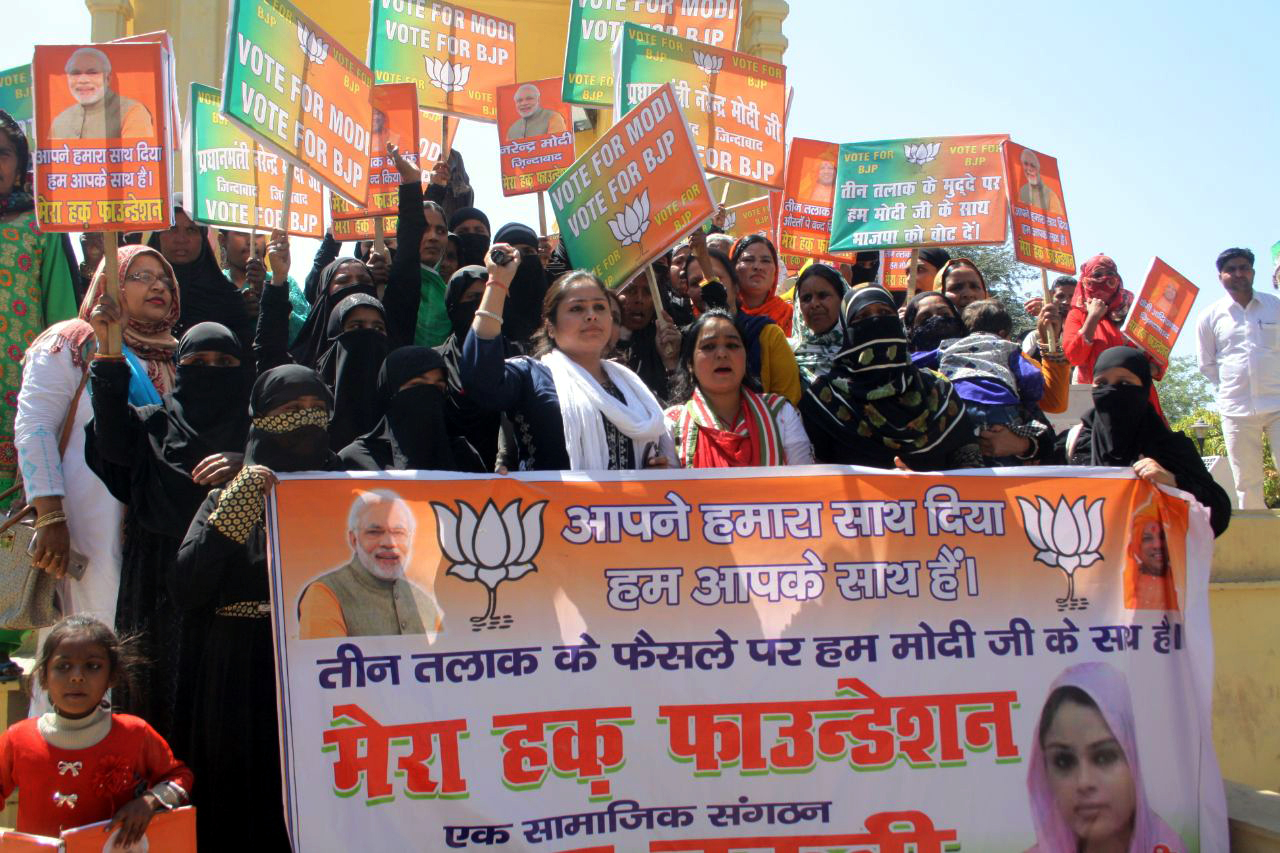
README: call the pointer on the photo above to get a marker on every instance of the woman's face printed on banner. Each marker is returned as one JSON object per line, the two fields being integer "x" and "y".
{"x": 1089, "y": 775}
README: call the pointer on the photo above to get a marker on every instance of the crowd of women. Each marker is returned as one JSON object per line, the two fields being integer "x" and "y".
{"x": 148, "y": 423}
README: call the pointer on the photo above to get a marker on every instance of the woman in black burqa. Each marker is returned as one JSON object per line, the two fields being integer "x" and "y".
{"x": 1124, "y": 429}
{"x": 222, "y": 566}
{"x": 160, "y": 461}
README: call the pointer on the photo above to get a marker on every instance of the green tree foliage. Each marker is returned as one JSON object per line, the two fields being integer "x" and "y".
{"x": 1008, "y": 280}
{"x": 1216, "y": 445}
{"x": 1183, "y": 390}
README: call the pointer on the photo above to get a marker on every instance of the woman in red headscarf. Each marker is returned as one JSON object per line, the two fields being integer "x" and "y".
{"x": 1097, "y": 309}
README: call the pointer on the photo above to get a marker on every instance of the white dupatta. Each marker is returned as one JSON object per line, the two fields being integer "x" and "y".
{"x": 583, "y": 401}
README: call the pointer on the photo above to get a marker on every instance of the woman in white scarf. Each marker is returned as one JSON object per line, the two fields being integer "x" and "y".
{"x": 570, "y": 408}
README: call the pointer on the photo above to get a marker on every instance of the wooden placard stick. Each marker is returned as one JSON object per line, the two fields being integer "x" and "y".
{"x": 1044, "y": 288}
{"x": 111, "y": 265}
{"x": 379, "y": 236}
{"x": 542, "y": 214}
{"x": 444, "y": 138}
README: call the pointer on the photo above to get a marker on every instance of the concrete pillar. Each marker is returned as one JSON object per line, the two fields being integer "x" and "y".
{"x": 109, "y": 18}
{"x": 762, "y": 29}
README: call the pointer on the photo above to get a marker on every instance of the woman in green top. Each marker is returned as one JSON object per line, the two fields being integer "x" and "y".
{"x": 36, "y": 280}
{"x": 36, "y": 290}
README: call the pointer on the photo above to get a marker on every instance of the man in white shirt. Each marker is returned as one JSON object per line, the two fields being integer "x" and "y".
{"x": 1239, "y": 352}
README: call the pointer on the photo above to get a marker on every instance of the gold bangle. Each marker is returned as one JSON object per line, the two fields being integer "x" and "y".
{"x": 102, "y": 356}
{"x": 57, "y": 516}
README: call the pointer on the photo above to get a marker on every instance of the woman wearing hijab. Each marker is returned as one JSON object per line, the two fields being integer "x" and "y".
{"x": 412, "y": 434}
{"x": 352, "y": 364}
{"x": 160, "y": 460}
{"x": 875, "y": 408}
{"x": 816, "y": 332}
{"x": 40, "y": 286}
{"x": 961, "y": 280}
{"x": 340, "y": 279}
{"x": 415, "y": 292}
{"x": 83, "y": 520}
{"x": 769, "y": 356}
{"x": 722, "y": 421}
{"x": 478, "y": 426}
{"x": 1097, "y": 311}
{"x": 755, "y": 263}
{"x": 931, "y": 318}
{"x": 571, "y": 409}
{"x": 522, "y": 314}
{"x": 638, "y": 343}
{"x": 222, "y": 567}
{"x": 208, "y": 296}
{"x": 1087, "y": 732}
{"x": 1124, "y": 429}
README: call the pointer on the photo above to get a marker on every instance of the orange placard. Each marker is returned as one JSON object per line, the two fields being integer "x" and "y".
{"x": 12, "y": 841}
{"x": 102, "y": 146}
{"x": 1160, "y": 311}
{"x": 430, "y": 126}
{"x": 395, "y": 121}
{"x": 804, "y": 223}
{"x": 750, "y": 217}
{"x": 1041, "y": 233}
{"x": 536, "y": 132}
{"x": 634, "y": 193}
{"x": 895, "y": 269}
{"x": 161, "y": 37}
{"x": 171, "y": 832}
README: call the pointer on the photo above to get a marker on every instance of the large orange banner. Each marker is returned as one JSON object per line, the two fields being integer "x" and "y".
{"x": 778, "y": 660}
{"x": 1160, "y": 311}
{"x": 1041, "y": 233}
{"x": 804, "y": 223}
{"x": 103, "y": 160}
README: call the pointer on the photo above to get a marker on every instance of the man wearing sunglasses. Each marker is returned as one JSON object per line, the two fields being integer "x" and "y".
{"x": 99, "y": 112}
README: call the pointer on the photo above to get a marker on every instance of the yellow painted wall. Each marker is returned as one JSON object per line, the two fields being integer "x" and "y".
{"x": 1244, "y": 601}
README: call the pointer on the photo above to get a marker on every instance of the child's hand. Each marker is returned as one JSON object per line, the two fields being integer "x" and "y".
{"x": 133, "y": 819}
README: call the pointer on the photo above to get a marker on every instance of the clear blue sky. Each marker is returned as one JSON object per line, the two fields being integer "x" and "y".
{"x": 1165, "y": 118}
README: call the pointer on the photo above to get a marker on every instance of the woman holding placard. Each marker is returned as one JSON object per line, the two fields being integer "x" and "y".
{"x": 78, "y": 521}
{"x": 769, "y": 356}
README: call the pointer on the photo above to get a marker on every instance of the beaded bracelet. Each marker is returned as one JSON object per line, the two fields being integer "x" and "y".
{"x": 490, "y": 315}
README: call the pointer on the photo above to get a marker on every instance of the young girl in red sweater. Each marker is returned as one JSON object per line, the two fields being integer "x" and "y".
{"x": 79, "y": 763}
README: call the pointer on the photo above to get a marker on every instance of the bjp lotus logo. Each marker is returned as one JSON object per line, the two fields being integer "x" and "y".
{"x": 490, "y": 548}
{"x": 707, "y": 62}
{"x": 447, "y": 76}
{"x": 629, "y": 225}
{"x": 1066, "y": 537}
{"x": 313, "y": 47}
{"x": 730, "y": 221}
{"x": 925, "y": 152}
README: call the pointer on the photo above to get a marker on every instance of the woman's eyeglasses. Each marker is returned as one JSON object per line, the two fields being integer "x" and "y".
{"x": 149, "y": 278}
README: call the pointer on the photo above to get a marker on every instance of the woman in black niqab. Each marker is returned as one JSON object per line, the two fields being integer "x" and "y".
{"x": 344, "y": 277}
{"x": 412, "y": 434}
{"x": 221, "y": 569}
{"x": 146, "y": 456}
{"x": 1123, "y": 429}
{"x": 208, "y": 296}
{"x": 350, "y": 366}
